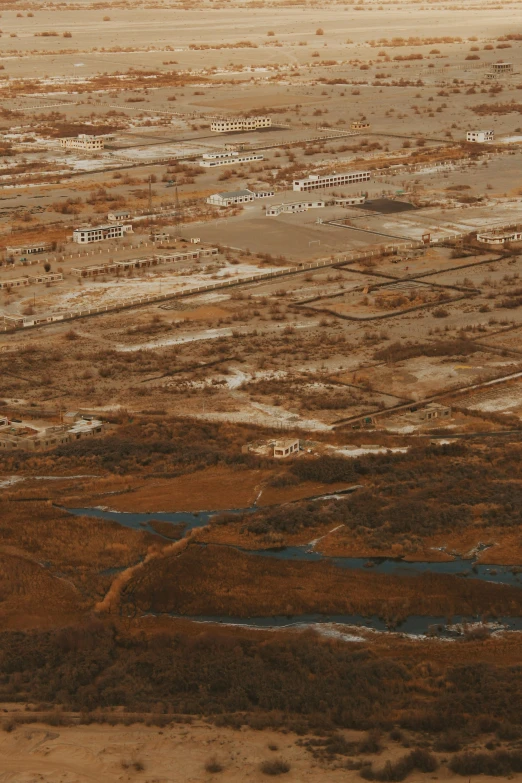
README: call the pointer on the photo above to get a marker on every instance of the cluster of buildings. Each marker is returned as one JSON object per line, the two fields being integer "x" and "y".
{"x": 114, "y": 267}
{"x": 240, "y": 124}
{"x": 28, "y": 436}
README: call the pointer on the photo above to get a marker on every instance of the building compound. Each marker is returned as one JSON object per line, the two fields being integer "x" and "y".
{"x": 318, "y": 182}
{"x": 15, "y": 434}
{"x": 88, "y": 234}
{"x": 83, "y": 142}
{"x": 240, "y": 124}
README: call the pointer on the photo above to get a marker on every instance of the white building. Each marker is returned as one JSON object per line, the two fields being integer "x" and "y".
{"x": 500, "y": 237}
{"x": 232, "y": 197}
{"x": 480, "y": 136}
{"x": 100, "y": 233}
{"x": 316, "y": 182}
{"x": 83, "y": 142}
{"x": 295, "y": 206}
{"x": 240, "y": 124}
{"x": 229, "y": 161}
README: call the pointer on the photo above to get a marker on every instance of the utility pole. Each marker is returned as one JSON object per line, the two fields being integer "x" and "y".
{"x": 150, "y": 198}
{"x": 177, "y": 215}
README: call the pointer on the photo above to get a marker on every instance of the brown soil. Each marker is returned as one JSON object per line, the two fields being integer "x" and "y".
{"x": 213, "y": 489}
{"x": 32, "y": 597}
{"x": 109, "y": 753}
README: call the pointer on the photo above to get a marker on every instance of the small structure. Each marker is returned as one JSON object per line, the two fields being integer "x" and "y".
{"x": 317, "y": 182}
{"x": 285, "y": 448}
{"x": 295, "y": 206}
{"x": 480, "y": 136}
{"x": 46, "y": 277}
{"x": 359, "y": 125}
{"x": 83, "y": 142}
{"x": 500, "y": 237}
{"x": 240, "y": 124}
{"x": 15, "y": 282}
{"x": 159, "y": 236}
{"x": 28, "y": 250}
{"x": 501, "y": 68}
{"x": 206, "y": 163}
{"x": 116, "y": 217}
{"x": 89, "y": 234}
{"x": 434, "y": 410}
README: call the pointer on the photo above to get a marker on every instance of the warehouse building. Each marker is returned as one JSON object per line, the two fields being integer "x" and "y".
{"x": 230, "y": 198}
{"x": 316, "y": 182}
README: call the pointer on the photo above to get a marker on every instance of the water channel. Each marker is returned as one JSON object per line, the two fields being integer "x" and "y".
{"x": 414, "y": 624}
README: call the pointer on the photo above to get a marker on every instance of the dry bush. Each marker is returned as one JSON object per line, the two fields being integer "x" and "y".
{"x": 213, "y": 765}
{"x": 274, "y": 767}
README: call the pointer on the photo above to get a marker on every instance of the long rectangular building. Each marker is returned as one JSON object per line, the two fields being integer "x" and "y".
{"x": 206, "y": 163}
{"x": 240, "y": 124}
{"x": 317, "y": 182}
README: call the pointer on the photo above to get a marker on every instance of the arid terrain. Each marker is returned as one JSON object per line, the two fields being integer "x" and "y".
{"x": 260, "y": 442}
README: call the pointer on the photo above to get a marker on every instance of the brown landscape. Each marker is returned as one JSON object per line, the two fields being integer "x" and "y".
{"x": 260, "y": 391}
